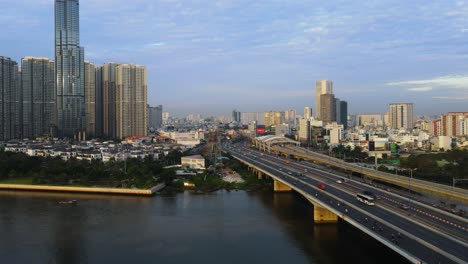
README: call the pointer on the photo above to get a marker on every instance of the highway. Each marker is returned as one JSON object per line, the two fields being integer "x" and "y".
{"x": 430, "y": 187}
{"x": 417, "y": 231}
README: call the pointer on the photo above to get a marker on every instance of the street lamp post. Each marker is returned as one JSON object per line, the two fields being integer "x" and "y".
{"x": 410, "y": 180}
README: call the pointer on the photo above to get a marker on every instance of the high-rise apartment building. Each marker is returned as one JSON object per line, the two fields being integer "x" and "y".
{"x": 273, "y": 118}
{"x": 344, "y": 114}
{"x": 386, "y": 119}
{"x": 321, "y": 87}
{"x": 328, "y": 108}
{"x": 307, "y": 113}
{"x": 38, "y": 96}
{"x": 130, "y": 106}
{"x": 369, "y": 120}
{"x": 90, "y": 98}
{"x": 165, "y": 116}
{"x": 248, "y": 117}
{"x": 401, "y": 115}
{"x": 304, "y": 131}
{"x": 290, "y": 116}
{"x": 69, "y": 70}
{"x": 106, "y": 96}
{"x": 10, "y": 100}
{"x": 451, "y": 123}
{"x": 155, "y": 117}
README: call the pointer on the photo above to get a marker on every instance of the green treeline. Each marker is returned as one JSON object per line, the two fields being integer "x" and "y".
{"x": 55, "y": 171}
{"x": 439, "y": 167}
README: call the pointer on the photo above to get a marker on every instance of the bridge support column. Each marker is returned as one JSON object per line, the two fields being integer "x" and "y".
{"x": 259, "y": 175}
{"x": 280, "y": 187}
{"x": 324, "y": 216}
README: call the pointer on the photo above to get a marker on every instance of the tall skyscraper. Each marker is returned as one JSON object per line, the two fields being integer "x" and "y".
{"x": 401, "y": 115}
{"x": 38, "y": 96}
{"x": 344, "y": 114}
{"x": 130, "y": 106}
{"x": 155, "y": 116}
{"x": 328, "y": 108}
{"x": 90, "y": 98}
{"x": 69, "y": 69}
{"x": 321, "y": 87}
{"x": 10, "y": 100}
{"x": 338, "y": 110}
{"x": 236, "y": 116}
{"x": 106, "y": 96}
{"x": 307, "y": 113}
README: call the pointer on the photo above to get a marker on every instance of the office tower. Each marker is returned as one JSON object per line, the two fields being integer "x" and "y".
{"x": 321, "y": 87}
{"x": 106, "y": 89}
{"x": 38, "y": 96}
{"x": 69, "y": 70}
{"x": 90, "y": 98}
{"x": 307, "y": 112}
{"x": 344, "y": 114}
{"x": 155, "y": 117}
{"x": 401, "y": 115}
{"x": 10, "y": 100}
{"x": 328, "y": 108}
{"x": 236, "y": 116}
{"x": 338, "y": 110}
{"x": 130, "y": 106}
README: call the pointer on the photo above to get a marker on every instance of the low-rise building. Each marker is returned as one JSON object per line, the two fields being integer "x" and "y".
{"x": 193, "y": 162}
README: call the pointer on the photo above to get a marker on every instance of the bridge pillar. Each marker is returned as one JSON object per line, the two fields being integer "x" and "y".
{"x": 259, "y": 175}
{"x": 324, "y": 216}
{"x": 280, "y": 187}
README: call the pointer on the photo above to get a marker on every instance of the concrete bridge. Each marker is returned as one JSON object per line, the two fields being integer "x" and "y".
{"x": 289, "y": 148}
{"x": 414, "y": 232}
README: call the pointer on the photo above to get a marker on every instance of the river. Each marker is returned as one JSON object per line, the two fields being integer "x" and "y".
{"x": 222, "y": 227}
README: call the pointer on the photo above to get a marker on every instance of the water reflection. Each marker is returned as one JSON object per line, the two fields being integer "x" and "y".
{"x": 224, "y": 227}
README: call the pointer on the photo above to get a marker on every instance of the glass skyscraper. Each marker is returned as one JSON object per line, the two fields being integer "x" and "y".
{"x": 69, "y": 70}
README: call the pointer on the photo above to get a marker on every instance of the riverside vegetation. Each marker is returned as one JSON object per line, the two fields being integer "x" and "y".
{"x": 19, "y": 168}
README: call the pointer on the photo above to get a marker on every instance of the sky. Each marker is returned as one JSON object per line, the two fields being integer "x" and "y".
{"x": 210, "y": 57}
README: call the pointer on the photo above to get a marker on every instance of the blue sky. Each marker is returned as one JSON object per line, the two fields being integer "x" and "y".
{"x": 210, "y": 57}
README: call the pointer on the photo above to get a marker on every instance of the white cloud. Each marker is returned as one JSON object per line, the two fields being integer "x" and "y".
{"x": 456, "y": 98}
{"x": 446, "y": 82}
{"x": 420, "y": 89}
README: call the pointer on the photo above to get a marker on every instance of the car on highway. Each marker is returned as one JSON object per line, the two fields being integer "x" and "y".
{"x": 339, "y": 181}
{"x": 321, "y": 186}
{"x": 404, "y": 206}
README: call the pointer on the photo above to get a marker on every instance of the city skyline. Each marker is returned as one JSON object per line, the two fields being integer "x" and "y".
{"x": 270, "y": 56}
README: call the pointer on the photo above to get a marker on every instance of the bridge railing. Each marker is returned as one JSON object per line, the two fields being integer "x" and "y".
{"x": 388, "y": 177}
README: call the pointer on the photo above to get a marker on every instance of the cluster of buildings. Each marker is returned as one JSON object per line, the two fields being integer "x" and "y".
{"x": 70, "y": 97}
{"x": 142, "y": 147}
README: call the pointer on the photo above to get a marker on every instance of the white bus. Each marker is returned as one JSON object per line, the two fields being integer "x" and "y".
{"x": 365, "y": 199}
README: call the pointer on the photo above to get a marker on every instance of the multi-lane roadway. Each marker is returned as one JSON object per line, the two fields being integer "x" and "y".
{"x": 417, "y": 231}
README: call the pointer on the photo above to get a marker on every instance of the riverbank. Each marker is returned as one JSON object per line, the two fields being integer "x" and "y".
{"x": 95, "y": 190}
